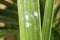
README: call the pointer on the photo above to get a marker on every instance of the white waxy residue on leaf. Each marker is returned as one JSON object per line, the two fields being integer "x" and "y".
{"x": 27, "y": 25}
{"x": 26, "y": 17}
{"x": 35, "y": 14}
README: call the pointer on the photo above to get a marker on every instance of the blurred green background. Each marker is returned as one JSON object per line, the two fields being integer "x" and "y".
{"x": 8, "y": 19}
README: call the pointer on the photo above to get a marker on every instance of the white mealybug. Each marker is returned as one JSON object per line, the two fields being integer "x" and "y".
{"x": 26, "y": 17}
{"x": 27, "y": 25}
{"x": 35, "y": 14}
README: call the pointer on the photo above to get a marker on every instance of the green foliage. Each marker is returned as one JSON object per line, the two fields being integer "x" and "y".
{"x": 39, "y": 13}
{"x": 48, "y": 20}
{"x": 29, "y": 20}
{"x": 9, "y": 16}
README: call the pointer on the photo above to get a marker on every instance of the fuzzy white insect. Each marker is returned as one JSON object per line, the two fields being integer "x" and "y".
{"x": 27, "y": 25}
{"x": 26, "y": 17}
{"x": 35, "y": 14}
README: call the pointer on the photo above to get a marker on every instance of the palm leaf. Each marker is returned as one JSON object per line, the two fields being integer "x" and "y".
{"x": 30, "y": 27}
{"x": 47, "y": 21}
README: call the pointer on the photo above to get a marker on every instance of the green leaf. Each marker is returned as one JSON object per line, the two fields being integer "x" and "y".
{"x": 48, "y": 19}
{"x": 29, "y": 20}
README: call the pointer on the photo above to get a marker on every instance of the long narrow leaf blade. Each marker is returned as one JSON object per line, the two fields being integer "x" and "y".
{"x": 29, "y": 19}
{"x": 47, "y": 21}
